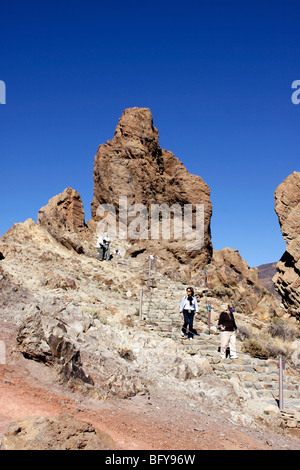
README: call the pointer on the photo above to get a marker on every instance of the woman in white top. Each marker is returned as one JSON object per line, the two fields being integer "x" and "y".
{"x": 188, "y": 309}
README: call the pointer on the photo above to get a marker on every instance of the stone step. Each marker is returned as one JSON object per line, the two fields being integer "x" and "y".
{"x": 245, "y": 364}
{"x": 258, "y": 374}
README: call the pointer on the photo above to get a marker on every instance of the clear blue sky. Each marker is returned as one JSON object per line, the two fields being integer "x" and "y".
{"x": 216, "y": 75}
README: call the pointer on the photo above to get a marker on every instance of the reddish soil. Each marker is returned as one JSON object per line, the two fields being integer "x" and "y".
{"x": 152, "y": 423}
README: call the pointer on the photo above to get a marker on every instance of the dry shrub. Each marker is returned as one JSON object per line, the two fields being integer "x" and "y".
{"x": 243, "y": 333}
{"x": 222, "y": 291}
{"x": 255, "y": 349}
{"x": 127, "y": 354}
{"x": 283, "y": 330}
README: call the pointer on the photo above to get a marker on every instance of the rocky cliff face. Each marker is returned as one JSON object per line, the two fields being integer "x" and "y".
{"x": 134, "y": 166}
{"x": 64, "y": 212}
{"x": 230, "y": 278}
{"x": 63, "y": 217}
{"x": 287, "y": 207}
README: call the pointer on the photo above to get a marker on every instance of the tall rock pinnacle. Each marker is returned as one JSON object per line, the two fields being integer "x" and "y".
{"x": 132, "y": 164}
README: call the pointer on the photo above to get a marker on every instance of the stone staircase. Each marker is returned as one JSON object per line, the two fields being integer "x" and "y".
{"x": 160, "y": 313}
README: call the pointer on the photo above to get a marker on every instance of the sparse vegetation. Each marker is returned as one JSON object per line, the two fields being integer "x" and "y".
{"x": 126, "y": 354}
{"x": 243, "y": 333}
{"x": 255, "y": 349}
{"x": 282, "y": 329}
{"x": 273, "y": 340}
{"x": 221, "y": 291}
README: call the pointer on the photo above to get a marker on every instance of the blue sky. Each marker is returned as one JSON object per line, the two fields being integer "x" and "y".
{"x": 217, "y": 76}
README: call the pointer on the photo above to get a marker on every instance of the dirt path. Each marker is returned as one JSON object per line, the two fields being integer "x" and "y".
{"x": 158, "y": 423}
{"x": 155, "y": 422}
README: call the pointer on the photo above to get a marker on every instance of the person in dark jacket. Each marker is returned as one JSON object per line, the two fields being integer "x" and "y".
{"x": 228, "y": 329}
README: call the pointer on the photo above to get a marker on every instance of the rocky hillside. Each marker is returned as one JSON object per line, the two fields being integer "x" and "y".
{"x": 80, "y": 320}
{"x": 79, "y": 317}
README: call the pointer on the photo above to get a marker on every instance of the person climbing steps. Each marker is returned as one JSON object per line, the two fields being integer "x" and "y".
{"x": 188, "y": 310}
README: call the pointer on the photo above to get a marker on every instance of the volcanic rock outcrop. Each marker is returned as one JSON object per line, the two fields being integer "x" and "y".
{"x": 230, "y": 278}
{"x": 63, "y": 212}
{"x": 134, "y": 166}
{"x": 287, "y": 207}
{"x": 64, "y": 218}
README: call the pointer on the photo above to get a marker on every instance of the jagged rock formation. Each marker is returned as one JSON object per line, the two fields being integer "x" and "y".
{"x": 132, "y": 164}
{"x": 64, "y": 212}
{"x": 229, "y": 277}
{"x": 64, "y": 219}
{"x": 56, "y": 340}
{"x": 287, "y": 207}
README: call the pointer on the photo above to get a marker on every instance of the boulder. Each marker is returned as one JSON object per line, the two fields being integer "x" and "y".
{"x": 46, "y": 339}
{"x": 62, "y": 432}
{"x": 63, "y": 212}
{"x": 64, "y": 338}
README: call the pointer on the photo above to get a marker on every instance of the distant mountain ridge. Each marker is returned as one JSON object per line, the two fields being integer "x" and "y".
{"x": 266, "y": 272}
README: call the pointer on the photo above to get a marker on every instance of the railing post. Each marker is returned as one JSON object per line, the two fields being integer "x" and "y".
{"x": 150, "y": 266}
{"x": 141, "y": 303}
{"x": 280, "y": 383}
{"x": 208, "y": 308}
